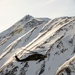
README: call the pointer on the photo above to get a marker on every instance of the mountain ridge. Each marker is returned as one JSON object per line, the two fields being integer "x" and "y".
{"x": 54, "y": 38}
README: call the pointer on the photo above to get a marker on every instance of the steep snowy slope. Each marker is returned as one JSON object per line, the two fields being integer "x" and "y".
{"x": 53, "y": 38}
{"x": 19, "y": 30}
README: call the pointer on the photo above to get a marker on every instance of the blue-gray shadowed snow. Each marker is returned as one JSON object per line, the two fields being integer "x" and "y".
{"x": 52, "y": 41}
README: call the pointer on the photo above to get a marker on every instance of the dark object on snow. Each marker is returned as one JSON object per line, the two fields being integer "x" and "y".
{"x": 68, "y": 71}
{"x": 33, "y": 57}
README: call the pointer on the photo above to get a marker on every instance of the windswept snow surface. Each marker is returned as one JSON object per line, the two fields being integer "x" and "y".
{"x": 54, "y": 38}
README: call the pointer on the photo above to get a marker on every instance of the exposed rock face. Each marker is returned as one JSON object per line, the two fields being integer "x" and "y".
{"x": 52, "y": 38}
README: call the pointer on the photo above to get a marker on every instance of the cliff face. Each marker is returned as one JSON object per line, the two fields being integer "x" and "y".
{"x": 53, "y": 38}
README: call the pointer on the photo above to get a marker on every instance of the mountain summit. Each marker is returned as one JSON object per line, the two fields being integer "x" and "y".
{"x": 38, "y": 46}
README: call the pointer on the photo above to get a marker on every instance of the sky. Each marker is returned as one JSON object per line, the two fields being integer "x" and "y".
{"x": 13, "y": 10}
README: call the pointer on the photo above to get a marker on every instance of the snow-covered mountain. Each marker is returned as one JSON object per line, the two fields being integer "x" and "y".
{"x": 52, "y": 38}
